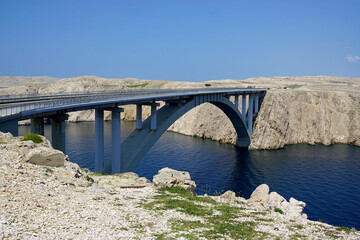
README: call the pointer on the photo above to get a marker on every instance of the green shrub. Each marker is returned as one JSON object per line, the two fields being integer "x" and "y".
{"x": 279, "y": 210}
{"x": 33, "y": 137}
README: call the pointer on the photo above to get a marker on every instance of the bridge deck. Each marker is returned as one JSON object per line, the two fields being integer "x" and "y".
{"x": 25, "y": 106}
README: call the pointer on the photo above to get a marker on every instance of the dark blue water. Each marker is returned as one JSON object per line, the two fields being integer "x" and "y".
{"x": 326, "y": 178}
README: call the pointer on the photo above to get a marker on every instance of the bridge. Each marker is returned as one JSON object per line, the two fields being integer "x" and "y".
{"x": 126, "y": 155}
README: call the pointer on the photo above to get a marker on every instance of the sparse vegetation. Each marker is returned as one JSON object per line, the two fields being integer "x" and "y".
{"x": 219, "y": 225}
{"x": 138, "y": 85}
{"x": 90, "y": 179}
{"x": 207, "y": 85}
{"x": 33, "y": 137}
{"x": 49, "y": 170}
{"x": 2, "y": 141}
{"x": 279, "y": 210}
{"x": 346, "y": 229}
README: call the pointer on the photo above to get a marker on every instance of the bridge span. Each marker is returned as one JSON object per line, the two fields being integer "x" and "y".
{"x": 126, "y": 155}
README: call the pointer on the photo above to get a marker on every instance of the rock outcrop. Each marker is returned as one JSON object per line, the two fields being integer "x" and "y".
{"x": 168, "y": 177}
{"x": 274, "y": 201}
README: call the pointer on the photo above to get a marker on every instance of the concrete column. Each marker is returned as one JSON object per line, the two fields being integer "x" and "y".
{"x": 243, "y": 107}
{"x": 153, "y": 119}
{"x": 58, "y": 132}
{"x": 99, "y": 140}
{"x": 37, "y": 126}
{"x": 138, "y": 116}
{"x": 116, "y": 140}
{"x": 10, "y": 126}
{"x": 250, "y": 112}
{"x": 256, "y": 103}
{"x": 236, "y": 101}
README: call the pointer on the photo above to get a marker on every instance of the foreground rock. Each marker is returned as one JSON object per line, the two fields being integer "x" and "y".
{"x": 168, "y": 177}
{"x": 262, "y": 199}
{"x": 67, "y": 202}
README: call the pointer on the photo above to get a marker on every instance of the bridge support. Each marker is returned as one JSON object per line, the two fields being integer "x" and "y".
{"x": 99, "y": 140}
{"x": 138, "y": 116}
{"x": 250, "y": 113}
{"x": 236, "y": 101}
{"x": 153, "y": 117}
{"x": 256, "y": 104}
{"x": 10, "y": 126}
{"x": 37, "y": 126}
{"x": 243, "y": 107}
{"x": 58, "y": 131}
{"x": 116, "y": 140}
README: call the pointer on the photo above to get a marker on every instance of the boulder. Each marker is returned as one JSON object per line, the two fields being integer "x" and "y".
{"x": 275, "y": 200}
{"x": 228, "y": 196}
{"x": 45, "y": 156}
{"x": 295, "y": 208}
{"x": 168, "y": 177}
{"x": 260, "y": 195}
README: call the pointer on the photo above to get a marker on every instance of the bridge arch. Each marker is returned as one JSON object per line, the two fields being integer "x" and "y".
{"x": 139, "y": 142}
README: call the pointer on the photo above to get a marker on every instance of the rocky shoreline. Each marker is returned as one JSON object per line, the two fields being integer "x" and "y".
{"x": 45, "y": 196}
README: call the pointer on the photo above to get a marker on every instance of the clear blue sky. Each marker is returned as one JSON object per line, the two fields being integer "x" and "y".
{"x": 180, "y": 40}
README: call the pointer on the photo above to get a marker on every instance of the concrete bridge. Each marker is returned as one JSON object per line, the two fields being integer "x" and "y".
{"x": 126, "y": 155}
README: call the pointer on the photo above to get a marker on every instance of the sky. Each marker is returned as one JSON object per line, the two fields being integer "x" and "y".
{"x": 180, "y": 40}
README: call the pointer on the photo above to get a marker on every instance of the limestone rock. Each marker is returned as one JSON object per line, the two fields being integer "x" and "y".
{"x": 168, "y": 177}
{"x": 275, "y": 200}
{"x": 260, "y": 195}
{"x": 45, "y": 156}
{"x": 228, "y": 196}
{"x": 128, "y": 179}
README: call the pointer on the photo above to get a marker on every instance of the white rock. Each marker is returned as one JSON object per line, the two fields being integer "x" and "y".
{"x": 45, "y": 156}
{"x": 275, "y": 200}
{"x": 228, "y": 196}
{"x": 168, "y": 177}
{"x": 260, "y": 195}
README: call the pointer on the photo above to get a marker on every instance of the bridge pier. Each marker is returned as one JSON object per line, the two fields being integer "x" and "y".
{"x": 138, "y": 116}
{"x": 10, "y": 126}
{"x": 58, "y": 131}
{"x": 243, "y": 107}
{"x": 116, "y": 140}
{"x": 37, "y": 125}
{"x": 153, "y": 117}
{"x": 250, "y": 113}
{"x": 99, "y": 140}
{"x": 256, "y": 103}
{"x": 237, "y": 101}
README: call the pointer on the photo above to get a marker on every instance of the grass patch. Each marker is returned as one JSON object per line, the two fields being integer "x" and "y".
{"x": 184, "y": 206}
{"x": 138, "y": 85}
{"x": 90, "y": 179}
{"x": 222, "y": 225}
{"x": 48, "y": 170}
{"x": 33, "y": 137}
{"x": 346, "y": 229}
{"x": 279, "y": 210}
